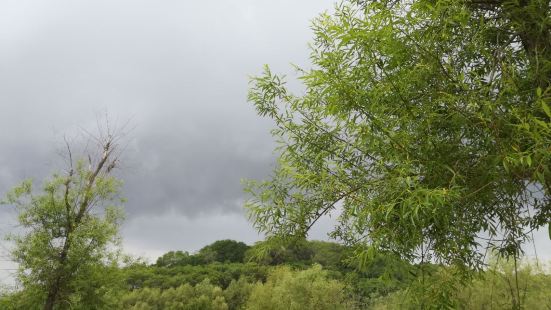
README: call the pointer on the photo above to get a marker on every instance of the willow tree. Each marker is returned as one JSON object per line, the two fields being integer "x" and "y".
{"x": 70, "y": 233}
{"x": 425, "y": 125}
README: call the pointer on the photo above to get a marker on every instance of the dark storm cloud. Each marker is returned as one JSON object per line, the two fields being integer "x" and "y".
{"x": 194, "y": 174}
{"x": 177, "y": 69}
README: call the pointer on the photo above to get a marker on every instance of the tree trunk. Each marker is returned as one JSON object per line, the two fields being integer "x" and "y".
{"x": 53, "y": 291}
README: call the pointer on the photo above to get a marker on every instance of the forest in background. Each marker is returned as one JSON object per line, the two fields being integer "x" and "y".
{"x": 312, "y": 275}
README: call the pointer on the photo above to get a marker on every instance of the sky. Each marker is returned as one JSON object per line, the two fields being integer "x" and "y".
{"x": 178, "y": 73}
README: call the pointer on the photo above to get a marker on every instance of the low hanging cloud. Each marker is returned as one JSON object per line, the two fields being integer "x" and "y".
{"x": 178, "y": 70}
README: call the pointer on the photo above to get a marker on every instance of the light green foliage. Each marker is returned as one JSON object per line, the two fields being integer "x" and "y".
{"x": 237, "y": 293}
{"x": 298, "y": 290}
{"x": 384, "y": 274}
{"x": 204, "y": 296}
{"x": 424, "y": 123}
{"x": 494, "y": 288}
{"x": 69, "y": 249}
{"x": 385, "y": 282}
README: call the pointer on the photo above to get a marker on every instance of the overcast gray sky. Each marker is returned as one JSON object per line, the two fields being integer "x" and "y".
{"x": 179, "y": 71}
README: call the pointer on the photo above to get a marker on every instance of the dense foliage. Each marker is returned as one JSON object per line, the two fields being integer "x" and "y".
{"x": 425, "y": 125}
{"x": 221, "y": 251}
{"x": 492, "y": 289}
{"x": 303, "y": 275}
{"x": 324, "y": 279}
{"x": 70, "y": 234}
{"x": 309, "y": 290}
{"x": 201, "y": 296}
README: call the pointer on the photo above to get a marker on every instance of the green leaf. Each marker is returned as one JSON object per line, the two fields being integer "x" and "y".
{"x": 546, "y": 108}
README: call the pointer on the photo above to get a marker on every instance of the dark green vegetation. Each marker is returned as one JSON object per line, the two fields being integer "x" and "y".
{"x": 308, "y": 274}
{"x": 279, "y": 265}
{"x": 304, "y": 275}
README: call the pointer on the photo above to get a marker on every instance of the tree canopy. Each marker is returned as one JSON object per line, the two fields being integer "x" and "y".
{"x": 70, "y": 239}
{"x": 221, "y": 251}
{"x": 224, "y": 251}
{"x": 424, "y": 124}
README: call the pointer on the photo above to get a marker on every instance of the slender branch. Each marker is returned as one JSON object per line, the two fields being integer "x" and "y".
{"x": 330, "y": 206}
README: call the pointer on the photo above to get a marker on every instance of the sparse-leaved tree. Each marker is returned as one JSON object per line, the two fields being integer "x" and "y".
{"x": 70, "y": 232}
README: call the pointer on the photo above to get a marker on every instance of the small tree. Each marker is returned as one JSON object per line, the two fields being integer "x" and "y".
{"x": 224, "y": 251}
{"x": 307, "y": 289}
{"x": 175, "y": 258}
{"x": 201, "y": 296}
{"x": 70, "y": 227}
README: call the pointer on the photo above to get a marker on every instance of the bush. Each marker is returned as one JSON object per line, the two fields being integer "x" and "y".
{"x": 204, "y": 296}
{"x": 300, "y": 290}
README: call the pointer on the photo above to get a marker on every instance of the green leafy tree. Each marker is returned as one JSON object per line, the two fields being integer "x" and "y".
{"x": 224, "y": 251}
{"x": 202, "y": 296}
{"x": 219, "y": 274}
{"x": 277, "y": 251}
{"x": 70, "y": 237}
{"x": 307, "y": 289}
{"x": 425, "y": 124}
{"x": 177, "y": 258}
{"x": 237, "y": 293}
{"x": 493, "y": 288}
{"x": 328, "y": 254}
{"x": 219, "y": 251}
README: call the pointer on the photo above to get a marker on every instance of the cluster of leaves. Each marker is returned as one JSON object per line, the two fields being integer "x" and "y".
{"x": 201, "y": 296}
{"x": 494, "y": 288}
{"x": 222, "y": 251}
{"x": 425, "y": 125}
{"x": 176, "y": 268}
{"x": 298, "y": 253}
{"x": 381, "y": 276}
{"x": 497, "y": 287}
{"x": 299, "y": 282}
{"x": 140, "y": 276}
{"x": 301, "y": 275}
{"x": 98, "y": 286}
{"x": 284, "y": 289}
{"x": 71, "y": 239}
{"x": 308, "y": 289}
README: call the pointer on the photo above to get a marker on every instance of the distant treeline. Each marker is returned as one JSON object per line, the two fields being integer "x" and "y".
{"x": 225, "y": 261}
{"x": 303, "y": 274}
